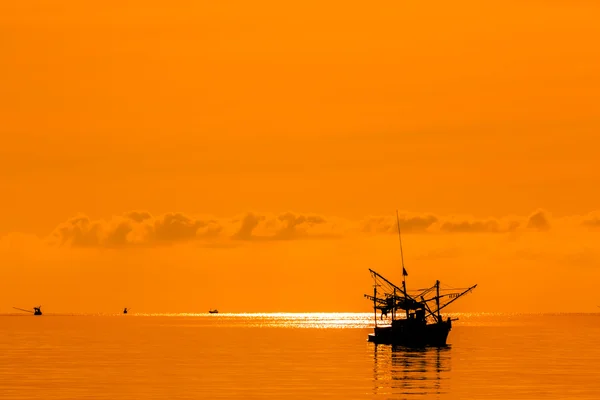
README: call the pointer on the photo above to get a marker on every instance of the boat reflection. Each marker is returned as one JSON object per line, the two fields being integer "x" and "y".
{"x": 410, "y": 372}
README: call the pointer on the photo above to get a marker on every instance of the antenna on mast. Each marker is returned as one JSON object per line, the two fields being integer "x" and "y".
{"x": 404, "y": 273}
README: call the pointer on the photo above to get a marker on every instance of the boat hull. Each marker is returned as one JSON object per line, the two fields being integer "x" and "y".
{"x": 406, "y": 333}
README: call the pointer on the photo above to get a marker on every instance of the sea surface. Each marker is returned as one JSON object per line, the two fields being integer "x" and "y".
{"x": 294, "y": 356}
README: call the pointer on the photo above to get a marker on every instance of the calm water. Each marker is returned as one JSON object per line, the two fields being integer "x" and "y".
{"x": 294, "y": 356}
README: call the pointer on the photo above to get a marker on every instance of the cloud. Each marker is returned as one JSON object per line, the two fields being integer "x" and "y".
{"x": 248, "y": 223}
{"x": 141, "y": 228}
{"x": 293, "y": 226}
{"x": 133, "y": 229}
{"x": 175, "y": 227}
{"x": 78, "y": 231}
{"x": 431, "y": 224}
{"x": 388, "y": 224}
{"x": 487, "y": 226}
{"x": 138, "y": 216}
{"x": 286, "y": 226}
{"x": 591, "y": 220}
{"x": 538, "y": 221}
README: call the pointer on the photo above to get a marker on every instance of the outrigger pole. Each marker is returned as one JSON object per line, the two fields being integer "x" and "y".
{"x": 22, "y": 309}
{"x": 454, "y": 298}
{"x": 374, "y": 273}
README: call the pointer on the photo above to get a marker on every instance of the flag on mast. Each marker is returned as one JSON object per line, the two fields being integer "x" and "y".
{"x": 404, "y": 273}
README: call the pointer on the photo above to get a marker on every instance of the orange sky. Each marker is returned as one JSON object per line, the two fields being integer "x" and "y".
{"x": 465, "y": 111}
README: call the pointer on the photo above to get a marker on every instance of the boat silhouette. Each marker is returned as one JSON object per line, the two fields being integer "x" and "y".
{"x": 215, "y": 311}
{"x": 419, "y": 322}
{"x": 36, "y": 310}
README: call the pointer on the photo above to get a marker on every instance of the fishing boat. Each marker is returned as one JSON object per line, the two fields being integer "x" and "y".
{"x": 411, "y": 319}
{"x": 215, "y": 311}
{"x": 125, "y": 310}
{"x": 36, "y": 310}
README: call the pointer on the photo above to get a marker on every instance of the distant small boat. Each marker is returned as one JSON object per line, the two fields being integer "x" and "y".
{"x": 125, "y": 310}
{"x": 36, "y": 310}
{"x": 215, "y": 311}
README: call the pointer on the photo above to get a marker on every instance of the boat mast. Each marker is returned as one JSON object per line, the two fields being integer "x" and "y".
{"x": 394, "y": 308}
{"x": 375, "y": 303}
{"x": 404, "y": 273}
{"x": 437, "y": 299}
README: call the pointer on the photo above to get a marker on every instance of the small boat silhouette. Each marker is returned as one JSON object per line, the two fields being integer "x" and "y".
{"x": 36, "y": 310}
{"x": 125, "y": 310}
{"x": 215, "y": 311}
